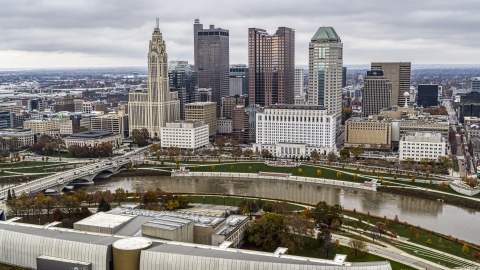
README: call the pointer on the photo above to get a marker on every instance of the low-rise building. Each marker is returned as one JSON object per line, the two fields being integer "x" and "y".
{"x": 368, "y": 131}
{"x": 15, "y": 138}
{"x": 422, "y": 145}
{"x": 224, "y": 125}
{"x": 114, "y": 123}
{"x": 185, "y": 134}
{"x": 93, "y": 139}
{"x": 40, "y": 126}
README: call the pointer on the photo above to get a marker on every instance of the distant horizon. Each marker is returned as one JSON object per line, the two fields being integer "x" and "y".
{"x": 352, "y": 66}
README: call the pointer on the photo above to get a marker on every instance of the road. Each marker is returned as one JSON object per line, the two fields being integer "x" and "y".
{"x": 70, "y": 175}
{"x": 394, "y": 254}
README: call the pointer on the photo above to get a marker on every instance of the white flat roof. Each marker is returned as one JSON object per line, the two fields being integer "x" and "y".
{"x": 105, "y": 220}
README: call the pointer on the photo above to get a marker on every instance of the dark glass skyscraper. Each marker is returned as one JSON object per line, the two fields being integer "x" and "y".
{"x": 271, "y": 62}
{"x": 427, "y": 95}
{"x": 181, "y": 79}
{"x": 211, "y": 48}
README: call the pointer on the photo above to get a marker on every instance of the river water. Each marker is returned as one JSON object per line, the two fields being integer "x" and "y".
{"x": 447, "y": 219}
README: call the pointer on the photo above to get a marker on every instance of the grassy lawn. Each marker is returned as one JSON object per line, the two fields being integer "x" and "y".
{"x": 232, "y": 200}
{"x": 6, "y": 266}
{"x": 448, "y": 245}
{"x": 308, "y": 171}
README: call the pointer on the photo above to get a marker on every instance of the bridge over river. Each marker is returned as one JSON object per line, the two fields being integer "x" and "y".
{"x": 87, "y": 173}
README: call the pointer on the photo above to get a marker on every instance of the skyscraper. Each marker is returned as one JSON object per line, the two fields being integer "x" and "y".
{"x": 151, "y": 108}
{"x": 271, "y": 61}
{"x": 399, "y": 74}
{"x": 376, "y": 93}
{"x": 475, "y": 84}
{"x": 298, "y": 82}
{"x": 182, "y": 80}
{"x": 325, "y": 71}
{"x": 211, "y": 48}
{"x": 344, "y": 77}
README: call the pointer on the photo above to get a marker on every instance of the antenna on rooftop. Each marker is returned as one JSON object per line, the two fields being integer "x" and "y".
{"x": 157, "y": 21}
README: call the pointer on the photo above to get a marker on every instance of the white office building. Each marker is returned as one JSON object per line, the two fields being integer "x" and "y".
{"x": 191, "y": 134}
{"x": 298, "y": 83}
{"x": 422, "y": 145}
{"x": 295, "y": 130}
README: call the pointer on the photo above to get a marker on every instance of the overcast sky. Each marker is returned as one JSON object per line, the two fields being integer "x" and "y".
{"x": 60, "y": 33}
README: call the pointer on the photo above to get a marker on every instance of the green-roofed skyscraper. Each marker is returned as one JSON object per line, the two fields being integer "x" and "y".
{"x": 325, "y": 71}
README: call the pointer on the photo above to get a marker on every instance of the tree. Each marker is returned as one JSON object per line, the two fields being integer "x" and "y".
{"x": 412, "y": 230}
{"x": 69, "y": 203}
{"x": 358, "y": 246}
{"x": 9, "y": 195}
{"x": 103, "y": 206}
{"x": 319, "y": 172}
{"x": 355, "y": 177}
{"x": 144, "y": 132}
{"x": 331, "y": 156}
{"x": 80, "y": 129}
{"x": 356, "y": 151}
{"x": 344, "y": 153}
{"x": 445, "y": 163}
{"x": 119, "y": 195}
{"x": 413, "y": 179}
{"x": 38, "y": 205}
{"x": 339, "y": 175}
{"x": 300, "y": 171}
{"x": 320, "y": 212}
{"x": 154, "y": 148}
{"x": 465, "y": 249}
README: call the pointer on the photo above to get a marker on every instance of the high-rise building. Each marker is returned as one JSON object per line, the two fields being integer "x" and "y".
{"x": 476, "y": 84}
{"x": 344, "y": 77}
{"x": 398, "y": 73}
{"x": 427, "y": 95}
{"x": 211, "y": 49}
{"x": 325, "y": 71}
{"x": 238, "y": 80}
{"x": 298, "y": 85}
{"x": 182, "y": 80}
{"x": 271, "y": 61}
{"x": 203, "y": 111}
{"x": 376, "y": 93}
{"x": 153, "y": 107}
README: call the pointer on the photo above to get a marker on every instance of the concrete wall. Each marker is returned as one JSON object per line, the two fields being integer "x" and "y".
{"x": 184, "y": 233}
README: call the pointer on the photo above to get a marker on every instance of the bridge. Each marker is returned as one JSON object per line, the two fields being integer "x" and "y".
{"x": 101, "y": 169}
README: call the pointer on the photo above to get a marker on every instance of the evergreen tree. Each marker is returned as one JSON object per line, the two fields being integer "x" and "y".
{"x": 13, "y": 194}
{"x": 9, "y": 195}
{"x": 104, "y": 206}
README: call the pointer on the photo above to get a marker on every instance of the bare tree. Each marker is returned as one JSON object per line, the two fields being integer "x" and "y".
{"x": 358, "y": 245}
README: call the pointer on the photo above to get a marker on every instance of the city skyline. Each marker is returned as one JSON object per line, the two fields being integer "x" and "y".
{"x": 103, "y": 34}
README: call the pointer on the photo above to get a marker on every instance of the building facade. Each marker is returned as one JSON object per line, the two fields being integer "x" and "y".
{"x": 427, "y": 95}
{"x": 376, "y": 93}
{"x": 271, "y": 61}
{"x": 182, "y": 79}
{"x": 224, "y": 125}
{"x": 185, "y": 135}
{"x": 228, "y": 103}
{"x": 422, "y": 145}
{"x": 476, "y": 84}
{"x": 212, "y": 56}
{"x": 368, "y": 132}
{"x": 93, "y": 139}
{"x": 238, "y": 80}
{"x": 398, "y": 73}
{"x": 203, "y": 111}
{"x": 154, "y": 107}
{"x": 15, "y": 138}
{"x": 325, "y": 71}
{"x": 114, "y": 123}
{"x": 309, "y": 125}
{"x": 298, "y": 85}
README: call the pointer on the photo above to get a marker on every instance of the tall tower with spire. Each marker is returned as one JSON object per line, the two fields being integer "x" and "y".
{"x": 153, "y": 107}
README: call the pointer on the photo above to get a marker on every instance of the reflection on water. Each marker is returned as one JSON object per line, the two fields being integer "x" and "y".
{"x": 447, "y": 219}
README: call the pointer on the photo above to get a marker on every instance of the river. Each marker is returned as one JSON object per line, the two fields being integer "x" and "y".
{"x": 447, "y": 219}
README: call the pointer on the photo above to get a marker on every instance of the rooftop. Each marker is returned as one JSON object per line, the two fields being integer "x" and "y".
{"x": 91, "y": 134}
{"x": 105, "y": 220}
{"x": 57, "y": 233}
{"x": 295, "y": 107}
{"x": 325, "y": 33}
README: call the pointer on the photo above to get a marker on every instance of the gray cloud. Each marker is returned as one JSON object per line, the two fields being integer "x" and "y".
{"x": 419, "y": 31}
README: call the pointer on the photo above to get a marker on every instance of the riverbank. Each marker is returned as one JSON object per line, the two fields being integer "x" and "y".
{"x": 124, "y": 173}
{"x": 418, "y": 193}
